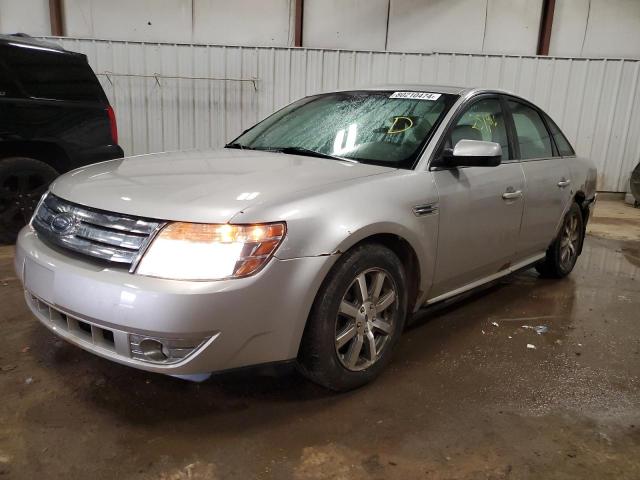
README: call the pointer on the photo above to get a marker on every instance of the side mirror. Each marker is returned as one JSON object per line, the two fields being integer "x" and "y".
{"x": 472, "y": 153}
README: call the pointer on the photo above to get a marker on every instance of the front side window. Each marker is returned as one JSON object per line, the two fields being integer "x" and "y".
{"x": 484, "y": 120}
{"x": 532, "y": 135}
{"x": 379, "y": 127}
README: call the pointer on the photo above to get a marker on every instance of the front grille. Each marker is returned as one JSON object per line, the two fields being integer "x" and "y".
{"x": 106, "y": 236}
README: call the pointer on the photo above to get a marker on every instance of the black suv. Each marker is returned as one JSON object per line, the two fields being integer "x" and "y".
{"x": 54, "y": 116}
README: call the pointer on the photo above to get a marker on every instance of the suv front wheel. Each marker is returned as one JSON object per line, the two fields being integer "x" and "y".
{"x": 22, "y": 182}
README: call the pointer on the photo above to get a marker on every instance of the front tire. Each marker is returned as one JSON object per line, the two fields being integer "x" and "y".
{"x": 356, "y": 320}
{"x": 562, "y": 254}
{"x": 22, "y": 183}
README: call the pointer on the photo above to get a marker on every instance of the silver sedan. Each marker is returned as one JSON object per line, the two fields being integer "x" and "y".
{"x": 312, "y": 237}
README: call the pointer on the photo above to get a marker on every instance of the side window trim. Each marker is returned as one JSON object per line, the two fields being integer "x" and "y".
{"x": 554, "y": 150}
{"x": 554, "y": 146}
{"x": 461, "y": 111}
{"x": 514, "y": 146}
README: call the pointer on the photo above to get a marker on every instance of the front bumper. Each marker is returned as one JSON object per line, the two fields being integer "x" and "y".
{"x": 226, "y": 324}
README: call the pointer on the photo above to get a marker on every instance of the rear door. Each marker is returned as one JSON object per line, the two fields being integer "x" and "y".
{"x": 478, "y": 224}
{"x": 547, "y": 176}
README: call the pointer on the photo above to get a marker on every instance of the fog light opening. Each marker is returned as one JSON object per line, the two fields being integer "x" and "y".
{"x": 153, "y": 350}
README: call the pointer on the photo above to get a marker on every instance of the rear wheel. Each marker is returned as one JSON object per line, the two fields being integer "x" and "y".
{"x": 356, "y": 320}
{"x": 22, "y": 183}
{"x": 562, "y": 254}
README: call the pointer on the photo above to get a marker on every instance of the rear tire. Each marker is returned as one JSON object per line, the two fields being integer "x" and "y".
{"x": 564, "y": 251}
{"x": 22, "y": 182}
{"x": 356, "y": 320}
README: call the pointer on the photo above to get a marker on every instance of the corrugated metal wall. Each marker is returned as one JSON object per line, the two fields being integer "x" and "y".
{"x": 595, "y": 101}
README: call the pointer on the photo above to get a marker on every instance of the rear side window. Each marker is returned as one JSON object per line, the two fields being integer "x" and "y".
{"x": 532, "y": 135}
{"x": 564, "y": 147}
{"x": 53, "y": 75}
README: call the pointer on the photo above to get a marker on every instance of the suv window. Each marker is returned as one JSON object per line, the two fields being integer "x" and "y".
{"x": 483, "y": 120}
{"x": 53, "y": 75}
{"x": 532, "y": 135}
{"x": 564, "y": 147}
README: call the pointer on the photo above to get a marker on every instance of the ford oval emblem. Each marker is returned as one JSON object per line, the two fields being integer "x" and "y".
{"x": 63, "y": 223}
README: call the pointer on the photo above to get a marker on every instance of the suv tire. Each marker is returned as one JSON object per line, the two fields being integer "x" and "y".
{"x": 22, "y": 182}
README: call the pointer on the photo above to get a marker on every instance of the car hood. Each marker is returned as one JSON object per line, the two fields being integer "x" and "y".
{"x": 201, "y": 186}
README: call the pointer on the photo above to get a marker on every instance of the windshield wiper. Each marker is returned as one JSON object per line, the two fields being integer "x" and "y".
{"x": 309, "y": 153}
{"x": 236, "y": 145}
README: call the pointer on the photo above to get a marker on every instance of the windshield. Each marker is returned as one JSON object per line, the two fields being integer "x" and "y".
{"x": 380, "y": 127}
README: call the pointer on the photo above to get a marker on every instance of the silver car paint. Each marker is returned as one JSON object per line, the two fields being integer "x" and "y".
{"x": 241, "y": 314}
{"x": 329, "y": 206}
{"x": 200, "y": 186}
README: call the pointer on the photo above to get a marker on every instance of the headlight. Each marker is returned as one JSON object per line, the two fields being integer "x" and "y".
{"x": 35, "y": 210}
{"x": 198, "y": 251}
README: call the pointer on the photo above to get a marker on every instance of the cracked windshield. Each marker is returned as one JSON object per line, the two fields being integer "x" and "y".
{"x": 381, "y": 127}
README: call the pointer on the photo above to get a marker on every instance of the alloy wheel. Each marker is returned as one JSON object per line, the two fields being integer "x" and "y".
{"x": 366, "y": 319}
{"x": 569, "y": 241}
{"x": 19, "y": 195}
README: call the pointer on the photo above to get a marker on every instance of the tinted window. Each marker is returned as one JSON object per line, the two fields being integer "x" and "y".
{"x": 564, "y": 147}
{"x": 54, "y": 75}
{"x": 484, "y": 120}
{"x": 380, "y": 127}
{"x": 533, "y": 137}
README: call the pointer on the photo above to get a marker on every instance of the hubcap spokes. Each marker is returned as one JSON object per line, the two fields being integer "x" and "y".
{"x": 19, "y": 195}
{"x": 569, "y": 241}
{"x": 365, "y": 319}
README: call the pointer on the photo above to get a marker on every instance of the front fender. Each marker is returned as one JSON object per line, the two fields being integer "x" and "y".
{"x": 334, "y": 220}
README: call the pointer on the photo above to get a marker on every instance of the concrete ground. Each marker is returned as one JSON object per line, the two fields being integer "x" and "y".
{"x": 465, "y": 397}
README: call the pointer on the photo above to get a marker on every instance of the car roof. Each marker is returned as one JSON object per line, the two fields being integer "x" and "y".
{"x": 24, "y": 40}
{"x": 450, "y": 89}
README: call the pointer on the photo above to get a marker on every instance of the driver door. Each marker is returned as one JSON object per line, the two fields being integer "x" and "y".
{"x": 478, "y": 224}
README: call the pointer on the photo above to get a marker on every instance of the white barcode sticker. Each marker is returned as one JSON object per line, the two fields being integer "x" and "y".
{"x": 416, "y": 95}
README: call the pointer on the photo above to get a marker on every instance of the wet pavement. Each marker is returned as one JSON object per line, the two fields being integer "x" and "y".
{"x": 465, "y": 397}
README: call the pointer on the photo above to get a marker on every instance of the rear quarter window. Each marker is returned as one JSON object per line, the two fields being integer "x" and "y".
{"x": 53, "y": 75}
{"x": 564, "y": 147}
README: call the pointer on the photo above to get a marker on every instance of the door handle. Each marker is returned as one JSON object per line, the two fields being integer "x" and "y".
{"x": 564, "y": 183}
{"x": 511, "y": 194}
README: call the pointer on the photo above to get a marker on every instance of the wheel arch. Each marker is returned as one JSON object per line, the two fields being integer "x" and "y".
{"x": 580, "y": 199}
{"x": 48, "y": 152}
{"x": 399, "y": 240}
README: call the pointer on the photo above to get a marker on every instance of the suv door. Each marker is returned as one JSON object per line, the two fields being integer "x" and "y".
{"x": 547, "y": 179}
{"x": 478, "y": 224}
